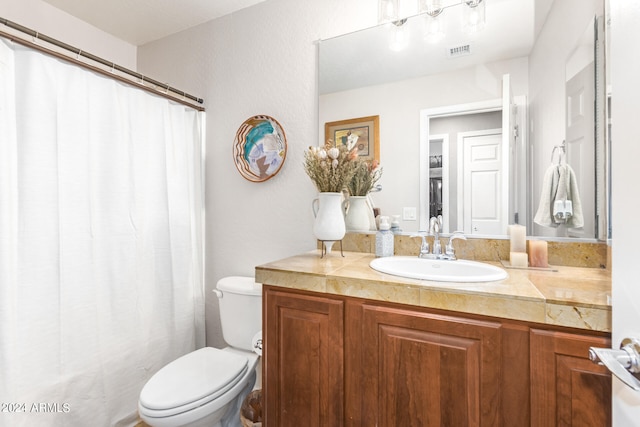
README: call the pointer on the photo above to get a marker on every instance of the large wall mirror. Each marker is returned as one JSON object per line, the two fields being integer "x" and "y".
{"x": 473, "y": 126}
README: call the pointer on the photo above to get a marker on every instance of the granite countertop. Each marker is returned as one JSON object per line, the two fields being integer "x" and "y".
{"x": 574, "y": 297}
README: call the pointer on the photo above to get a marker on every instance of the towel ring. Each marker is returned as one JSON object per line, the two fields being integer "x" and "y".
{"x": 561, "y": 152}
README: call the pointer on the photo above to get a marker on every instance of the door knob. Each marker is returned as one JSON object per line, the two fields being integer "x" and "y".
{"x": 622, "y": 363}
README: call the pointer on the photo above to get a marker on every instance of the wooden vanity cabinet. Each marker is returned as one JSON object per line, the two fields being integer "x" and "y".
{"x": 341, "y": 361}
{"x": 424, "y": 369}
{"x": 303, "y": 360}
{"x": 567, "y": 389}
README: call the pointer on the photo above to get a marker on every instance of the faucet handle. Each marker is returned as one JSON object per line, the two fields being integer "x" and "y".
{"x": 424, "y": 247}
{"x": 455, "y": 235}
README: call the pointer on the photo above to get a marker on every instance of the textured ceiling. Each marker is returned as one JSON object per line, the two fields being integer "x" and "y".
{"x": 142, "y": 21}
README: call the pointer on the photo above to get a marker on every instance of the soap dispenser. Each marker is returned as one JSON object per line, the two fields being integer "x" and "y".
{"x": 395, "y": 224}
{"x": 384, "y": 238}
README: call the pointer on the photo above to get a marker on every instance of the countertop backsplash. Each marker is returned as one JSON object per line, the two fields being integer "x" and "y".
{"x": 561, "y": 253}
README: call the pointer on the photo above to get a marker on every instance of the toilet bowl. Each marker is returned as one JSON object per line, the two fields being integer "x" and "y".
{"x": 199, "y": 389}
{"x": 207, "y": 387}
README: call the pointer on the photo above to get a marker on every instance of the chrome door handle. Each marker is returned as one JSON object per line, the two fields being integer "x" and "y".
{"x": 622, "y": 363}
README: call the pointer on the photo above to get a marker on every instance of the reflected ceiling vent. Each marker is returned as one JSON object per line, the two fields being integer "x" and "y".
{"x": 456, "y": 51}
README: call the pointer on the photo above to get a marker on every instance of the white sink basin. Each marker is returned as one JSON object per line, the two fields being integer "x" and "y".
{"x": 413, "y": 267}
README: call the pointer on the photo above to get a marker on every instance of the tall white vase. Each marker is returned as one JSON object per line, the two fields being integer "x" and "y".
{"x": 329, "y": 224}
{"x": 358, "y": 217}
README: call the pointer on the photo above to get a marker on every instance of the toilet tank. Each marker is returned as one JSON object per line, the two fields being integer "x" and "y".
{"x": 240, "y": 301}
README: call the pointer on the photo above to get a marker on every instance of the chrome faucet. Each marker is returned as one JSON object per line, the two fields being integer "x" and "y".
{"x": 449, "y": 251}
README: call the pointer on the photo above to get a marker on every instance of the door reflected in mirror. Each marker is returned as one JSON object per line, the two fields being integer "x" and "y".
{"x": 475, "y": 168}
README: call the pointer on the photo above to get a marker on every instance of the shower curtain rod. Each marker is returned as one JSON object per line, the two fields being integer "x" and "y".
{"x": 158, "y": 88}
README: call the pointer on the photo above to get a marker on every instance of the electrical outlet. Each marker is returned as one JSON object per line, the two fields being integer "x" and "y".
{"x": 409, "y": 214}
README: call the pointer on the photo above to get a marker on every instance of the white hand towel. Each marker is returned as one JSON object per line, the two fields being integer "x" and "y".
{"x": 559, "y": 183}
{"x": 562, "y": 193}
{"x": 577, "y": 219}
{"x": 544, "y": 215}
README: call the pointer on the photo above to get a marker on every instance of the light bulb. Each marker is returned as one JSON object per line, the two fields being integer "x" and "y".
{"x": 434, "y": 31}
{"x": 432, "y": 7}
{"x": 387, "y": 11}
{"x": 473, "y": 18}
{"x": 398, "y": 36}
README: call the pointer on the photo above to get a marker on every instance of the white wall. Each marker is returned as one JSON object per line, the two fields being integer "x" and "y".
{"x": 260, "y": 60}
{"x": 46, "y": 19}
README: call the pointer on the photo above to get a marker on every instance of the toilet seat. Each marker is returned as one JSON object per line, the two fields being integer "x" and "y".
{"x": 192, "y": 381}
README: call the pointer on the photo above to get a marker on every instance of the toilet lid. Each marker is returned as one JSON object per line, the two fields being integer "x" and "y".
{"x": 204, "y": 373}
{"x": 239, "y": 285}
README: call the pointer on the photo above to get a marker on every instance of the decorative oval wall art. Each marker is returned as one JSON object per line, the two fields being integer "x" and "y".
{"x": 260, "y": 148}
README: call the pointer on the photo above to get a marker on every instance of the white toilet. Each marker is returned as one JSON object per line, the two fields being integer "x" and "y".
{"x": 207, "y": 387}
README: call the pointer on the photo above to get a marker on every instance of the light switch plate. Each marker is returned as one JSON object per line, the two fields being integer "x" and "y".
{"x": 409, "y": 214}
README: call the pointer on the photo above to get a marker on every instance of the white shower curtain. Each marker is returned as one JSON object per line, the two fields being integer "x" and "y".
{"x": 101, "y": 256}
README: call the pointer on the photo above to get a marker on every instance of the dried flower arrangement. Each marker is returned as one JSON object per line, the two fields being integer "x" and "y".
{"x": 329, "y": 167}
{"x": 365, "y": 177}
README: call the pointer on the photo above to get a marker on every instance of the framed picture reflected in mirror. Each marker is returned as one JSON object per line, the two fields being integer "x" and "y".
{"x": 362, "y": 132}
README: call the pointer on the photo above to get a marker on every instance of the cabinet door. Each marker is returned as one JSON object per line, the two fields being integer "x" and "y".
{"x": 567, "y": 389}
{"x": 423, "y": 369}
{"x": 303, "y": 360}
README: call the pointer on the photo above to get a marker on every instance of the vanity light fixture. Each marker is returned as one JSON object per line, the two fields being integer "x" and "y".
{"x": 396, "y": 12}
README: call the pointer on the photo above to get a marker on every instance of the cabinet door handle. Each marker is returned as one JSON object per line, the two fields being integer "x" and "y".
{"x": 622, "y": 363}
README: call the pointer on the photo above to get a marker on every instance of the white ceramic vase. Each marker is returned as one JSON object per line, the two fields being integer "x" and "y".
{"x": 329, "y": 224}
{"x": 357, "y": 216}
